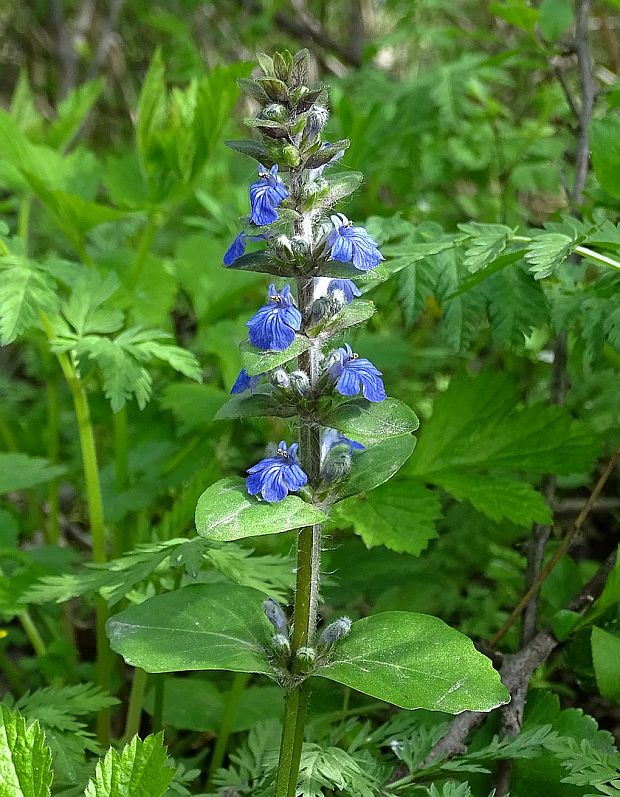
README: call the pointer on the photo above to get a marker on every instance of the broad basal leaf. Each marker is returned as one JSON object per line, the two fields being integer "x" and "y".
{"x": 200, "y": 627}
{"x": 226, "y": 511}
{"x": 25, "y": 758}
{"x": 415, "y": 661}
{"x": 141, "y": 769}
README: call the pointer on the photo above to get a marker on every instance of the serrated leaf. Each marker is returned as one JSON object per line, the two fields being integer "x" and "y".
{"x": 21, "y": 471}
{"x": 546, "y": 252}
{"x": 201, "y": 627}
{"x": 152, "y": 106}
{"x": 371, "y": 423}
{"x": 141, "y": 769}
{"x": 498, "y": 498}
{"x": 415, "y": 661}
{"x": 400, "y": 515}
{"x": 256, "y": 361}
{"x": 605, "y": 144}
{"x": 485, "y": 245}
{"x": 25, "y": 290}
{"x": 226, "y": 511}
{"x": 25, "y": 758}
{"x": 72, "y": 112}
{"x": 606, "y": 660}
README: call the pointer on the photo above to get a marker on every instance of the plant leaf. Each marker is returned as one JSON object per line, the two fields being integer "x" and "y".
{"x": 371, "y": 423}
{"x": 25, "y": 758}
{"x": 415, "y": 661}
{"x": 140, "y": 769}
{"x": 226, "y": 512}
{"x": 200, "y": 627}
{"x": 20, "y": 471}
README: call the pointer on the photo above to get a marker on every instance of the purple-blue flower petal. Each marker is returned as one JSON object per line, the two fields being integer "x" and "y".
{"x": 245, "y": 382}
{"x": 274, "y": 477}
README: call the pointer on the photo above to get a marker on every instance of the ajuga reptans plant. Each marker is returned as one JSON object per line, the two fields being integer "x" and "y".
{"x": 349, "y": 438}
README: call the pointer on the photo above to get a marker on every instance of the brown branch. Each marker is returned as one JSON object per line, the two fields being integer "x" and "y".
{"x": 518, "y": 668}
{"x": 562, "y": 549}
{"x": 588, "y": 95}
{"x": 107, "y": 36}
{"x": 64, "y": 45}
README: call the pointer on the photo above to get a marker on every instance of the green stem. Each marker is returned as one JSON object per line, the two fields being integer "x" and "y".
{"x": 53, "y": 451}
{"x": 11, "y": 673}
{"x": 121, "y": 467}
{"x": 240, "y": 681}
{"x": 32, "y": 632}
{"x": 308, "y": 575}
{"x": 104, "y": 661}
{"x": 144, "y": 247}
{"x": 597, "y": 256}
{"x": 23, "y": 223}
{"x": 158, "y": 708}
{"x": 7, "y": 435}
{"x": 136, "y": 700}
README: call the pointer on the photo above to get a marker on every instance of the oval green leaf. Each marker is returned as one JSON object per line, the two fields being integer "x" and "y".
{"x": 371, "y": 423}
{"x": 200, "y": 627}
{"x": 375, "y": 466}
{"x": 415, "y": 661}
{"x": 226, "y": 512}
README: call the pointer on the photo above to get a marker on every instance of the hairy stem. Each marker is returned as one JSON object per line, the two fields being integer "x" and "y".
{"x": 52, "y": 532}
{"x": 308, "y": 561}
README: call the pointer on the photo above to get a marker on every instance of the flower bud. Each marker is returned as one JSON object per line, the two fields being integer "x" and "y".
{"x": 280, "y": 378}
{"x": 276, "y": 616}
{"x": 300, "y": 382}
{"x": 316, "y": 121}
{"x": 326, "y": 307}
{"x": 281, "y": 648}
{"x": 335, "y": 632}
{"x": 337, "y": 464}
{"x": 305, "y": 658}
{"x": 282, "y": 246}
{"x": 299, "y": 246}
{"x": 275, "y": 112}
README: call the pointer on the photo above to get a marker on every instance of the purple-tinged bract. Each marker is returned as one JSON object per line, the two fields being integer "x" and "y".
{"x": 353, "y": 373}
{"x": 265, "y": 195}
{"x": 273, "y": 327}
{"x": 348, "y": 243}
{"x": 275, "y": 477}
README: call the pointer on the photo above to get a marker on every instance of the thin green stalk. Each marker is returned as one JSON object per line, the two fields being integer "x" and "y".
{"x": 144, "y": 247}
{"x": 23, "y": 222}
{"x": 7, "y": 436}
{"x": 158, "y": 708}
{"x": 11, "y": 673}
{"x": 240, "y": 681}
{"x": 597, "y": 256}
{"x": 52, "y": 532}
{"x": 121, "y": 462}
{"x": 136, "y": 701}
{"x": 32, "y": 632}
{"x": 104, "y": 661}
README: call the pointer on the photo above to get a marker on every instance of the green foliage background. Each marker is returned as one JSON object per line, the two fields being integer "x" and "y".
{"x": 118, "y": 200}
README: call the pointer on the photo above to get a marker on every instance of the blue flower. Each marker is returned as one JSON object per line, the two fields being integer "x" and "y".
{"x": 237, "y": 247}
{"x": 245, "y": 382}
{"x": 331, "y": 438}
{"x": 273, "y": 327}
{"x": 348, "y": 243}
{"x": 348, "y": 288}
{"x": 353, "y": 373}
{"x": 274, "y": 477}
{"x": 265, "y": 196}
